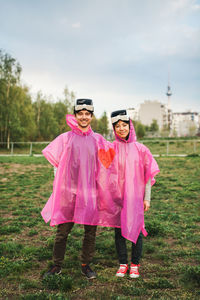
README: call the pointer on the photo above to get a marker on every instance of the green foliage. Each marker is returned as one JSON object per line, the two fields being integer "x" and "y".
{"x": 10, "y": 249}
{"x": 32, "y": 232}
{"x": 35, "y": 296}
{"x": 94, "y": 124}
{"x": 193, "y": 155}
{"x": 155, "y": 228}
{"x": 63, "y": 283}
{"x": 154, "y": 126}
{"x": 102, "y": 125}
{"x": 22, "y": 119}
{"x": 140, "y": 130}
{"x": 133, "y": 290}
{"x": 47, "y": 126}
{"x": 28, "y": 284}
{"x": 8, "y": 229}
{"x": 44, "y": 296}
{"x": 8, "y": 266}
{"x": 160, "y": 283}
{"x": 191, "y": 276}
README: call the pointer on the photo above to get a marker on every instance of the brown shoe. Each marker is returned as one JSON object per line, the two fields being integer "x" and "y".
{"x": 53, "y": 271}
{"x": 87, "y": 271}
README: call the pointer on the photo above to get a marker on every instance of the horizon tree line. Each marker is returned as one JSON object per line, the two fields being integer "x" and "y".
{"x": 25, "y": 118}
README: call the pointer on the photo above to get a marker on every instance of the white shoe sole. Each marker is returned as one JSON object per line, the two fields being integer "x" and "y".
{"x": 120, "y": 275}
{"x": 134, "y": 276}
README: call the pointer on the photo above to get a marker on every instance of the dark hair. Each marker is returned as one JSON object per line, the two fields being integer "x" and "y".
{"x": 127, "y": 122}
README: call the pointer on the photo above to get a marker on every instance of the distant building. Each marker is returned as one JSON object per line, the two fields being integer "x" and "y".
{"x": 154, "y": 110}
{"x": 185, "y": 123}
{"x": 133, "y": 113}
{"x": 179, "y": 123}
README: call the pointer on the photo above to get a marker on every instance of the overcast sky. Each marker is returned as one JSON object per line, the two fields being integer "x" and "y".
{"x": 117, "y": 52}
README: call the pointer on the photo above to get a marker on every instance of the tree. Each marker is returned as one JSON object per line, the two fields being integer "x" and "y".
{"x": 154, "y": 126}
{"x": 10, "y": 71}
{"x": 69, "y": 98}
{"x": 140, "y": 130}
{"x": 60, "y": 111}
{"x": 47, "y": 125}
{"x": 192, "y": 129}
{"x": 22, "y": 118}
{"x": 103, "y": 125}
{"x": 94, "y": 124}
{"x": 165, "y": 132}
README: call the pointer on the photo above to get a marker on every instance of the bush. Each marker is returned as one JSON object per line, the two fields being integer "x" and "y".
{"x": 193, "y": 155}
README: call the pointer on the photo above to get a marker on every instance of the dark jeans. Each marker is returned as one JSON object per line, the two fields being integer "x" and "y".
{"x": 120, "y": 243}
{"x": 88, "y": 246}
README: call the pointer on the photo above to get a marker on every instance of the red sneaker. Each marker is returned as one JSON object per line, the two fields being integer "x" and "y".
{"x": 134, "y": 271}
{"x": 123, "y": 268}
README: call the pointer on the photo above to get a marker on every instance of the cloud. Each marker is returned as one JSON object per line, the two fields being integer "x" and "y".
{"x": 76, "y": 25}
{"x": 111, "y": 50}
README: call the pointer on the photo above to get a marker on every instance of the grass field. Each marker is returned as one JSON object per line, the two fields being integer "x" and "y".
{"x": 171, "y": 253}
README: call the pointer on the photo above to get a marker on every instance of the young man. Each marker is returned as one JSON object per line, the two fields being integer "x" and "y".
{"x": 74, "y": 197}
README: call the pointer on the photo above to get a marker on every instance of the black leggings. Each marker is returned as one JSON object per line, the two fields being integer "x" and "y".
{"x": 120, "y": 243}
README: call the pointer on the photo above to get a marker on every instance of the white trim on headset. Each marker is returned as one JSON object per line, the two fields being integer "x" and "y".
{"x": 120, "y": 117}
{"x": 84, "y": 106}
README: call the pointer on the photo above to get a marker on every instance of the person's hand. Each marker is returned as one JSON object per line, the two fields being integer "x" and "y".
{"x": 146, "y": 205}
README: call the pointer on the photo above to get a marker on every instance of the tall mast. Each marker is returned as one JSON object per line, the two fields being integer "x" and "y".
{"x": 169, "y": 93}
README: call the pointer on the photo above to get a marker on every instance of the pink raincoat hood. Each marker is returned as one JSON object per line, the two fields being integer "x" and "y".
{"x": 132, "y": 135}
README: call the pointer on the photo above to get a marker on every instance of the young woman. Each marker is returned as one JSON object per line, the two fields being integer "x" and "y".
{"x": 136, "y": 169}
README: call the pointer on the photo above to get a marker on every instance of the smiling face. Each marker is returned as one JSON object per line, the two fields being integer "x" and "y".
{"x": 122, "y": 129}
{"x": 84, "y": 118}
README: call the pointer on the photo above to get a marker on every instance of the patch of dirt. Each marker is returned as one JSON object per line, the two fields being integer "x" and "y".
{"x": 19, "y": 168}
{"x": 4, "y": 179}
{"x": 170, "y": 241}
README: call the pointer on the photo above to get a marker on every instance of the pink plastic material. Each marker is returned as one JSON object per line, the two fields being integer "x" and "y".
{"x": 135, "y": 167}
{"x": 99, "y": 183}
{"x": 85, "y": 162}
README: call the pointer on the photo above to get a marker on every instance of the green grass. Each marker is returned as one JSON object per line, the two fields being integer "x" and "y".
{"x": 171, "y": 251}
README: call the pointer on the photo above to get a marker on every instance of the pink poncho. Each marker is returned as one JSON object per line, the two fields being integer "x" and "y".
{"x": 84, "y": 181}
{"x": 135, "y": 166}
{"x": 96, "y": 184}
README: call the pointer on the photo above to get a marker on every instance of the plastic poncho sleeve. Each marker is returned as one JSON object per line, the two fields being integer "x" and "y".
{"x": 150, "y": 165}
{"x": 54, "y": 151}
